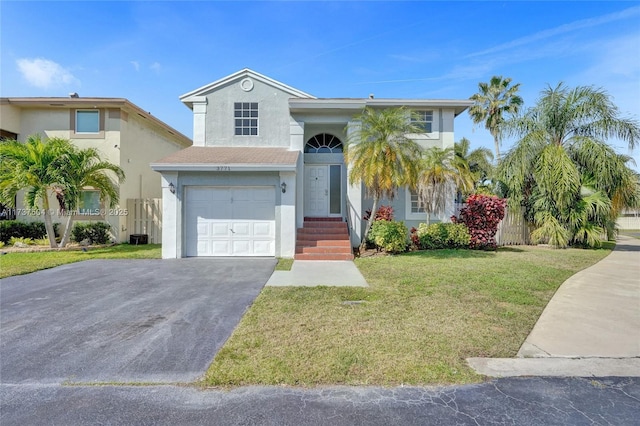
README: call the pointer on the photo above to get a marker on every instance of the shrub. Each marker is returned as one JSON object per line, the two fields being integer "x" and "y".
{"x": 442, "y": 235}
{"x": 391, "y": 236}
{"x": 482, "y": 214}
{"x": 30, "y": 230}
{"x": 20, "y": 240}
{"x": 383, "y": 213}
{"x": 95, "y": 232}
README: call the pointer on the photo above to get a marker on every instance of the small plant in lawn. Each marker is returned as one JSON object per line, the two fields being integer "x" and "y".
{"x": 481, "y": 215}
{"x": 391, "y": 236}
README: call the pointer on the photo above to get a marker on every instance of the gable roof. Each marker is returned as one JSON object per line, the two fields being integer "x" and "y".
{"x": 190, "y": 97}
{"x": 90, "y": 103}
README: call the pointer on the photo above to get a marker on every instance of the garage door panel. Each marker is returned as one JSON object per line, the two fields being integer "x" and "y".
{"x": 242, "y": 229}
{"x": 219, "y": 248}
{"x": 220, "y": 229}
{"x": 263, "y": 229}
{"x": 263, "y": 248}
{"x": 230, "y": 221}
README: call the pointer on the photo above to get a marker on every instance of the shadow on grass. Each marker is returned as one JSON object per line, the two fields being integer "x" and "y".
{"x": 450, "y": 254}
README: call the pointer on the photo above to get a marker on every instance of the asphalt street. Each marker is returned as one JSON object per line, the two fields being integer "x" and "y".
{"x": 512, "y": 401}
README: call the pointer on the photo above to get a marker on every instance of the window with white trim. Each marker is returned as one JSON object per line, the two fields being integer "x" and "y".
{"x": 415, "y": 203}
{"x": 423, "y": 119}
{"x": 89, "y": 202}
{"x": 245, "y": 116}
{"x": 87, "y": 121}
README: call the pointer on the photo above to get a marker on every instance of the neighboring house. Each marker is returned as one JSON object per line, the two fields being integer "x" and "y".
{"x": 123, "y": 133}
{"x": 265, "y": 157}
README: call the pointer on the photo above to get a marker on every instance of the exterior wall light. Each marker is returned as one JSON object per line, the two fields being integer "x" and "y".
{"x": 283, "y": 186}
{"x": 172, "y": 188}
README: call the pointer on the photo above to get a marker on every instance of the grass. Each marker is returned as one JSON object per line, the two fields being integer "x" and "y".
{"x": 422, "y": 316}
{"x": 284, "y": 264}
{"x": 17, "y": 263}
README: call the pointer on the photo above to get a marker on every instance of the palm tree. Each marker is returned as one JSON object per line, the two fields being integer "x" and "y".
{"x": 381, "y": 156}
{"x": 81, "y": 169}
{"x": 441, "y": 174}
{"x": 571, "y": 183}
{"x": 33, "y": 166}
{"x": 479, "y": 161}
{"x": 493, "y": 101}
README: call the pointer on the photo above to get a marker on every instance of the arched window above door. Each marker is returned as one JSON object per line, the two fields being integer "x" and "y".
{"x": 323, "y": 143}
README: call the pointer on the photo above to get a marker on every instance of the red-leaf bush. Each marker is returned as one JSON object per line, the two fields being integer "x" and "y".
{"x": 383, "y": 213}
{"x": 482, "y": 214}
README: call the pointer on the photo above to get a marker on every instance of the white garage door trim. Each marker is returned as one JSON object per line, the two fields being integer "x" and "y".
{"x": 230, "y": 221}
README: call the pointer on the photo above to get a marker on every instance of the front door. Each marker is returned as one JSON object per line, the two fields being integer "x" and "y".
{"x": 323, "y": 190}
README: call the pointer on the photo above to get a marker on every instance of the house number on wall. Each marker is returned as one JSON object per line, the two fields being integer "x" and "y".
{"x": 223, "y": 168}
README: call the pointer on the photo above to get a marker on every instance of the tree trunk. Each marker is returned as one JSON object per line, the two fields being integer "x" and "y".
{"x": 67, "y": 229}
{"x": 372, "y": 217}
{"x": 48, "y": 223}
{"x": 496, "y": 141}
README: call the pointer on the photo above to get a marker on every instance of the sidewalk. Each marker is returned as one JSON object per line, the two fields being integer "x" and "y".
{"x": 311, "y": 273}
{"x": 591, "y": 326}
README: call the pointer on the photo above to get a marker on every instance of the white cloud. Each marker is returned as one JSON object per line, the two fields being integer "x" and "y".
{"x": 562, "y": 29}
{"x": 155, "y": 67}
{"x": 136, "y": 65}
{"x": 45, "y": 74}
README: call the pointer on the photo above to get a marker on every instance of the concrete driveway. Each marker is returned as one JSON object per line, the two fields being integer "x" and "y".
{"x": 123, "y": 320}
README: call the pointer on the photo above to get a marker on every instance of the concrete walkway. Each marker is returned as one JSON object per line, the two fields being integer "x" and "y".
{"x": 311, "y": 273}
{"x": 591, "y": 326}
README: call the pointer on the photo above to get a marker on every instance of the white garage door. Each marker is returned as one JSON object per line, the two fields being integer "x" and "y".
{"x": 231, "y": 221}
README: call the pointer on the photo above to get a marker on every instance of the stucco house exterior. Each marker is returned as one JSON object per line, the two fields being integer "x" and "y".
{"x": 267, "y": 164}
{"x": 124, "y": 134}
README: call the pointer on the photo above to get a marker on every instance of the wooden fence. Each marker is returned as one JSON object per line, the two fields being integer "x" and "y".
{"x": 145, "y": 217}
{"x": 513, "y": 230}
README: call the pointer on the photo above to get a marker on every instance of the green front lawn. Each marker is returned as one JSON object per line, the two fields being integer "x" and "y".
{"x": 17, "y": 263}
{"x": 422, "y": 316}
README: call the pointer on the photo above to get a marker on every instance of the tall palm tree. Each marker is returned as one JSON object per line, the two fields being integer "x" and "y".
{"x": 494, "y": 101}
{"x": 441, "y": 174}
{"x": 33, "y": 166}
{"x": 82, "y": 169}
{"x": 381, "y": 155}
{"x": 479, "y": 161}
{"x": 571, "y": 183}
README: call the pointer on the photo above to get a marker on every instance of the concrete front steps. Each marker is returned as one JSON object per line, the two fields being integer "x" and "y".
{"x": 323, "y": 239}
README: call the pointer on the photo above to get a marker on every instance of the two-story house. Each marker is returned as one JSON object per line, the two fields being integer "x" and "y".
{"x": 123, "y": 133}
{"x": 267, "y": 160}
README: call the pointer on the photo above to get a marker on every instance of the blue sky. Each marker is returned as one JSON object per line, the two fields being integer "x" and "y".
{"x": 153, "y": 52}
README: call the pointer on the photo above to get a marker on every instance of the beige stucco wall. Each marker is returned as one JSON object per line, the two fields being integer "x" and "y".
{"x": 273, "y": 116}
{"x": 127, "y": 141}
{"x": 9, "y": 118}
{"x": 142, "y": 145}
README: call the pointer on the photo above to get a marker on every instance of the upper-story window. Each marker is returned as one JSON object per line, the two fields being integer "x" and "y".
{"x": 246, "y": 118}
{"x": 323, "y": 143}
{"x": 88, "y": 121}
{"x": 424, "y": 120}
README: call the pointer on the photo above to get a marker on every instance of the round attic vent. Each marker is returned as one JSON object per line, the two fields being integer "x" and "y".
{"x": 246, "y": 84}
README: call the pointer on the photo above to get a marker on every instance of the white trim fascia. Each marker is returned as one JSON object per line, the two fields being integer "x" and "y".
{"x": 246, "y": 72}
{"x": 208, "y": 167}
{"x": 298, "y": 105}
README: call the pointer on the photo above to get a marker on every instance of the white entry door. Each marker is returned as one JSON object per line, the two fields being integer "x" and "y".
{"x": 316, "y": 191}
{"x": 323, "y": 190}
{"x": 230, "y": 221}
